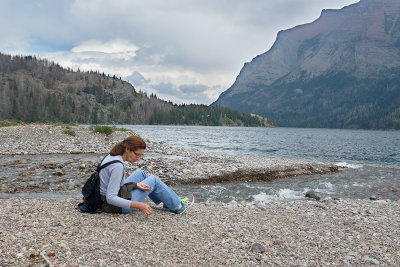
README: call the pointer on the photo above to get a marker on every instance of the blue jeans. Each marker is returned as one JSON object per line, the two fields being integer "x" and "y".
{"x": 160, "y": 193}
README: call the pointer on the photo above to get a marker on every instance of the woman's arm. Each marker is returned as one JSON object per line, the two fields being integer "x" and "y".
{"x": 114, "y": 184}
{"x": 143, "y": 207}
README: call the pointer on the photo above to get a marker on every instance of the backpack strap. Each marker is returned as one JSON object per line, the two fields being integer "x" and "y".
{"x": 106, "y": 164}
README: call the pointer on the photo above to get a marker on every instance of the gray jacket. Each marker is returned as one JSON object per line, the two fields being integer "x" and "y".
{"x": 115, "y": 196}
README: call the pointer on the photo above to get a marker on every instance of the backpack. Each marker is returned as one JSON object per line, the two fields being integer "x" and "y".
{"x": 91, "y": 190}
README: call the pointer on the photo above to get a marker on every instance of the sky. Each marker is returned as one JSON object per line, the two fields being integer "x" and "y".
{"x": 184, "y": 51}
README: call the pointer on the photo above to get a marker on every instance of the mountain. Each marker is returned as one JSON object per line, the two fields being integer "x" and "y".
{"x": 340, "y": 71}
{"x": 36, "y": 90}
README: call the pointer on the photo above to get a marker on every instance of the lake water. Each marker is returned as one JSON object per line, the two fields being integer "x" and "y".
{"x": 370, "y": 160}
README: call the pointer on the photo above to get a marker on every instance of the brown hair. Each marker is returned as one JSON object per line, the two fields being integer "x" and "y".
{"x": 132, "y": 143}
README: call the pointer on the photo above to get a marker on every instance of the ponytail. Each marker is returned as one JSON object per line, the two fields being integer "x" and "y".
{"x": 118, "y": 149}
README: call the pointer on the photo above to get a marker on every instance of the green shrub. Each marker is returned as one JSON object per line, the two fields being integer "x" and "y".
{"x": 107, "y": 130}
{"x": 69, "y": 132}
{"x": 6, "y": 123}
{"x": 121, "y": 129}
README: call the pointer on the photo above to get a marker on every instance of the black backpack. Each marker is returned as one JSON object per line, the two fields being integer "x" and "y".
{"x": 91, "y": 189}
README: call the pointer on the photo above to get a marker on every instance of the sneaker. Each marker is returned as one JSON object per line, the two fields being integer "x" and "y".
{"x": 185, "y": 203}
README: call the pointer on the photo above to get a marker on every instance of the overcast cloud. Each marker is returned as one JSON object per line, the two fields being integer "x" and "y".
{"x": 185, "y": 51}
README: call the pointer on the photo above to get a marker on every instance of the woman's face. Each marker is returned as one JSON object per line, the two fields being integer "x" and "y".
{"x": 133, "y": 156}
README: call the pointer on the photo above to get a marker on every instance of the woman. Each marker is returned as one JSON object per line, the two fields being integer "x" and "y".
{"x": 112, "y": 178}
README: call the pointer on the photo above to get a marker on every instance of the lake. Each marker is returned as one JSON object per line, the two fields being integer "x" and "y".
{"x": 370, "y": 160}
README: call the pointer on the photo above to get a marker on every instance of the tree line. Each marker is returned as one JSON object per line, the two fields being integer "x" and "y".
{"x": 38, "y": 90}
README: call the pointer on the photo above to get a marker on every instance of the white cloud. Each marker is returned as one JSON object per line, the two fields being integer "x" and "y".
{"x": 177, "y": 42}
{"x": 117, "y": 48}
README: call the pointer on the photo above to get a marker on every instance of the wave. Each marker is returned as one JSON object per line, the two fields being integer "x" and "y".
{"x": 282, "y": 194}
{"x": 348, "y": 165}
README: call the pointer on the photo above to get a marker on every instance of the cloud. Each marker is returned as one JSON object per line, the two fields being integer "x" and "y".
{"x": 177, "y": 45}
{"x": 137, "y": 79}
{"x": 187, "y": 93}
{"x": 120, "y": 47}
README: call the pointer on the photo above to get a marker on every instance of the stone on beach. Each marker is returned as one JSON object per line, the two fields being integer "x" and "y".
{"x": 313, "y": 195}
{"x": 257, "y": 248}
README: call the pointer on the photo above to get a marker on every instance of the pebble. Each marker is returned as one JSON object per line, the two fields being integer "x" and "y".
{"x": 352, "y": 253}
{"x": 371, "y": 261}
{"x": 312, "y": 194}
{"x": 231, "y": 204}
{"x": 257, "y": 248}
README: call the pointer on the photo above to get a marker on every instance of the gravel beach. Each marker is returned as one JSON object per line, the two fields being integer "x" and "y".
{"x": 297, "y": 233}
{"x": 51, "y": 232}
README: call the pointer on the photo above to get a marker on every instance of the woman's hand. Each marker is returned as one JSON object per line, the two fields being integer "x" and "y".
{"x": 146, "y": 209}
{"x": 144, "y": 187}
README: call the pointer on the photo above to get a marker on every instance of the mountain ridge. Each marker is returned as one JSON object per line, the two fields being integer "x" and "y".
{"x": 356, "y": 45}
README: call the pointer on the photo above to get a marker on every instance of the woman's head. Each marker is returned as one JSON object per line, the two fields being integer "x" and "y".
{"x": 132, "y": 143}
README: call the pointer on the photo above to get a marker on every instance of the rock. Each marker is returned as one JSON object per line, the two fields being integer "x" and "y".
{"x": 368, "y": 211}
{"x": 262, "y": 208}
{"x": 311, "y": 194}
{"x": 4, "y": 188}
{"x": 82, "y": 166}
{"x": 232, "y": 204}
{"x": 352, "y": 253}
{"x": 383, "y": 201}
{"x": 371, "y": 261}
{"x": 58, "y": 173}
{"x": 61, "y": 181}
{"x": 373, "y": 198}
{"x": 257, "y": 248}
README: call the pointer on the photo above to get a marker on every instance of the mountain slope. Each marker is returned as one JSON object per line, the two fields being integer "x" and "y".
{"x": 38, "y": 90}
{"x": 340, "y": 71}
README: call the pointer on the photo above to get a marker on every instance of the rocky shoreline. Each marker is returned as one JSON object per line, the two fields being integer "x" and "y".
{"x": 51, "y": 232}
{"x": 40, "y": 157}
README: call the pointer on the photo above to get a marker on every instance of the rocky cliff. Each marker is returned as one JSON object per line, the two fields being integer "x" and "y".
{"x": 340, "y": 71}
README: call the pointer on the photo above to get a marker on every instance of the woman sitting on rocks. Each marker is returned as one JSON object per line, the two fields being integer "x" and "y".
{"x": 112, "y": 179}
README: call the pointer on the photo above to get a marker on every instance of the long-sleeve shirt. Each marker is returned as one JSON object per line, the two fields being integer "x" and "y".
{"x": 112, "y": 178}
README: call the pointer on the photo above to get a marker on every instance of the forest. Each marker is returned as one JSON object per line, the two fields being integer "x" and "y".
{"x": 37, "y": 90}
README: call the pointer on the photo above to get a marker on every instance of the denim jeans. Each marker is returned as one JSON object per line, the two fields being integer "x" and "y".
{"x": 160, "y": 193}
